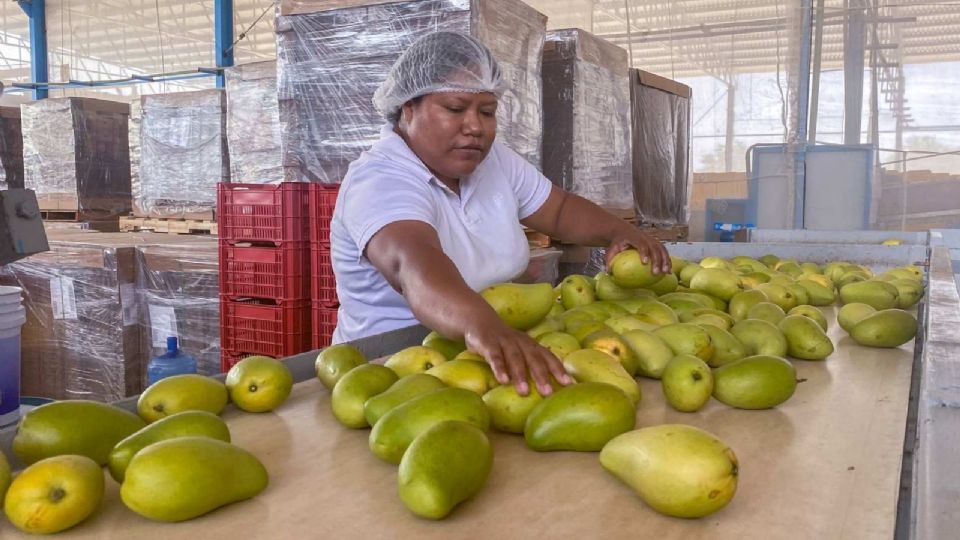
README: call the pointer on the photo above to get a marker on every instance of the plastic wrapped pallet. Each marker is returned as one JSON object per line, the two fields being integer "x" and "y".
{"x": 81, "y": 338}
{"x": 586, "y": 112}
{"x": 178, "y": 292}
{"x": 661, "y": 148}
{"x": 253, "y": 124}
{"x": 334, "y": 54}
{"x": 11, "y": 149}
{"x": 76, "y": 156}
{"x": 133, "y": 138}
{"x": 183, "y": 144}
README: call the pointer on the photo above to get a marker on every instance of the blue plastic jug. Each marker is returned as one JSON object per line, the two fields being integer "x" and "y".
{"x": 172, "y": 362}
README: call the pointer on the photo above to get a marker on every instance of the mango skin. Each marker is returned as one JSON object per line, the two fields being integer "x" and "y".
{"x": 334, "y": 362}
{"x": 444, "y": 466}
{"x": 629, "y": 271}
{"x": 687, "y": 383}
{"x": 806, "y": 340}
{"x": 185, "y": 424}
{"x": 580, "y": 418}
{"x": 184, "y": 478}
{"x": 508, "y": 409}
{"x": 850, "y": 314}
{"x": 589, "y": 365}
{"x": 520, "y": 306}
{"x": 678, "y": 470}
{"x": 28, "y": 503}
{"x": 756, "y": 382}
{"x": 888, "y": 328}
{"x": 760, "y": 337}
{"x": 400, "y": 392}
{"x": 355, "y": 388}
{"x": 80, "y": 427}
{"x": 877, "y": 294}
{"x": 5, "y": 476}
{"x": 397, "y": 429}
{"x": 182, "y": 393}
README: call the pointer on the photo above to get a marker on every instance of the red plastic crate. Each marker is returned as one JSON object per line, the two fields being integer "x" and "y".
{"x": 323, "y": 284}
{"x": 273, "y": 214}
{"x": 324, "y": 321}
{"x": 229, "y": 359}
{"x": 323, "y": 199}
{"x": 275, "y": 273}
{"x": 258, "y": 328}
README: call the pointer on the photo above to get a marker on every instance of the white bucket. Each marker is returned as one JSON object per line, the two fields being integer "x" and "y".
{"x": 12, "y": 317}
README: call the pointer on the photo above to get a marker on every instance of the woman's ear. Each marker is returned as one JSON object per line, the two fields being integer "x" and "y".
{"x": 406, "y": 112}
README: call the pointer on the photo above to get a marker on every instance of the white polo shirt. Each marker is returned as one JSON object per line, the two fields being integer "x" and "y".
{"x": 479, "y": 230}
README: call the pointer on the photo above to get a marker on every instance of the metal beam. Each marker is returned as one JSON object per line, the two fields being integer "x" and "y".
{"x": 36, "y": 11}
{"x": 803, "y": 113}
{"x": 854, "y": 45}
{"x": 223, "y": 36}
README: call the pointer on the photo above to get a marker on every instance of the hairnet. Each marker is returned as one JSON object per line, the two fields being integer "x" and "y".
{"x": 438, "y": 62}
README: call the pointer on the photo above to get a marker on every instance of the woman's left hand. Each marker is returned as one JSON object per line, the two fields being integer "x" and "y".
{"x": 651, "y": 250}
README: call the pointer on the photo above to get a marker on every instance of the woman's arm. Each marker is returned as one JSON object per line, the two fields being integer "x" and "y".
{"x": 410, "y": 257}
{"x": 575, "y": 220}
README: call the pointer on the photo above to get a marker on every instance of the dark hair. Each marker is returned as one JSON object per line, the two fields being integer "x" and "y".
{"x": 396, "y": 118}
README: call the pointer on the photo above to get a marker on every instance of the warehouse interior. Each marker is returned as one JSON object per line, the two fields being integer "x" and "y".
{"x": 170, "y": 173}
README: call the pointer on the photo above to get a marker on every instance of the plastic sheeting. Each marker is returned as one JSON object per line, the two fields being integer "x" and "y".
{"x": 76, "y": 155}
{"x": 586, "y": 112}
{"x": 11, "y": 149}
{"x": 660, "y": 119}
{"x": 178, "y": 293}
{"x": 334, "y": 54}
{"x": 253, "y": 124}
{"x": 544, "y": 267}
{"x": 183, "y": 154}
{"x": 81, "y": 338}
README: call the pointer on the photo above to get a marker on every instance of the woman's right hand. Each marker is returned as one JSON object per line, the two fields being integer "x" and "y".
{"x": 512, "y": 354}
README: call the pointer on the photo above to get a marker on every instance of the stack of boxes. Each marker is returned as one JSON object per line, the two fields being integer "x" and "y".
{"x": 323, "y": 198}
{"x": 264, "y": 270}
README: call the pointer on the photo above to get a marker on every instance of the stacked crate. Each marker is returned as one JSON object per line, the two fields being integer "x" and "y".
{"x": 264, "y": 270}
{"x": 323, "y": 198}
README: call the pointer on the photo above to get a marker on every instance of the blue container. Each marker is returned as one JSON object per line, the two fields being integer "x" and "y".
{"x": 173, "y": 362}
{"x": 12, "y": 317}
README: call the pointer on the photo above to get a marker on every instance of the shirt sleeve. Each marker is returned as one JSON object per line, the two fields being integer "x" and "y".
{"x": 375, "y": 199}
{"x": 529, "y": 185}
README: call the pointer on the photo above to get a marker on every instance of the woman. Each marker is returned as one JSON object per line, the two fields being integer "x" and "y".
{"x": 432, "y": 213}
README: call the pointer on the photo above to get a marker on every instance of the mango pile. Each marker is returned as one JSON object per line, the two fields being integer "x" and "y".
{"x": 722, "y": 329}
{"x": 173, "y": 459}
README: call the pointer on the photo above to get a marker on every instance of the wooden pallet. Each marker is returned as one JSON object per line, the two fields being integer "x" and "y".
{"x": 168, "y": 226}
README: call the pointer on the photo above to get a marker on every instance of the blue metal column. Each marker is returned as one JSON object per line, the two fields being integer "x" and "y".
{"x": 223, "y": 36}
{"x": 36, "y": 11}
{"x": 803, "y": 112}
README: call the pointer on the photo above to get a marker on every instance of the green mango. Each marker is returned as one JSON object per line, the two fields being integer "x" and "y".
{"x": 608, "y": 290}
{"x": 612, "y": 344}
{"x": 887, "y": 329}
{"x": 755, "y": 382}
{"x": 444, "y": 466}
{"x": 85, "y": 428}
{"x": 576, "y": 291}
{"x": 699, "y": 299}
{"x": 666, "y": 285}
{"x": 686, "y": 338}
{"x": 185, "y": 424}
{"x": 726, "y": 347}
{"x": 634, "y": 304}
{"x": 779, "y": 295}
{"x": 760, "y": 337}
{"x": 399, "y": 393}
{"x": 718, "y": 282}
{"x": 610, "y": 308}
{"x": 741, "y": 303}
{"x": 447, "y": 347}
{"x": 520, "y": 306}
{"x": 810, "y": 268}
{"x": 877, "y": 294}
{"x": 677, "y": 264}
{"x": 625, "y": 323}
{"x": 656, "y": 313}
{"x": 508, "y": 409}
{"x": 629, "y": 271}
{"x": 5, "y": 475}
{"x": 580, "y": 418}
{"x": 769, "y": 260}
{"x": 544, "y": 327}
{"x": 811, "y": 313}
{"x": 678, "y": 470}
{"x": 470, "y": 375}
{"x": 687, "y": 273}
{"x": 805, "y": 339}
{"x": 751, "y": 263}
{"x": 182, "y": 393}
{"x": 767, "y": 311}
{"x": 800, "y": 293}
{"x": 355, "y": 388}
{"x": 652, "y": 353}
{"x": 817, "y": 293}
{"x": 395, "y": 430}
{"x": 687, "y": 383}
{"x": 589, "y": 365}
{"x": 416, "y": 359}
{"x": 850, "y": 314}
{"x": 560, "y": 343}
{"x": 910, "y": 291}
{"x": 184, "y": 478}
{"x": 581, "y": 330}
{"x": 334, "y": 362}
